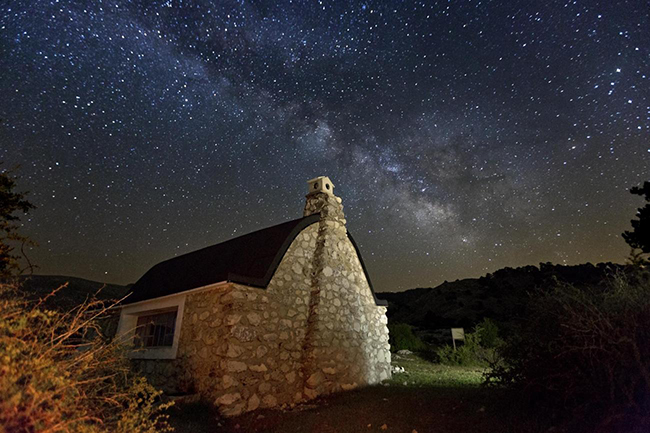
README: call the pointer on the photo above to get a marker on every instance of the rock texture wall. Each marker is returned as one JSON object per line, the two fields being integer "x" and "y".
{"x": 346, "y": 342}
{"x": 266, "y": 332}
{"x": 314, "y": 330}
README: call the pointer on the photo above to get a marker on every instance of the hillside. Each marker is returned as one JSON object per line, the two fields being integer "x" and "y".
{"x": 461, "y": 303}
{"x": 78, "y": 290}
{"x": 500, "y": 296}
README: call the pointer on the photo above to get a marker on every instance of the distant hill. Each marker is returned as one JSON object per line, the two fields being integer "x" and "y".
{"x": 78, "y": 290}
{"x": 500, "y": 296}
{"x": 462, "y": 303}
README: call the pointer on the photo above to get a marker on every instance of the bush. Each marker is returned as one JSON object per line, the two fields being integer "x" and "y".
{"x": 401, "y": 337}
{"x": 478, "y": 349}
{"x": 583, "y": 355}
{"x": 488, "y": 332}
{"x": 463, "y": 355}
{"x": 59, "y": 374}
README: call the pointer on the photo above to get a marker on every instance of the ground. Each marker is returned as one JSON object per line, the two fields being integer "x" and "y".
{"x": 427, "y": 398}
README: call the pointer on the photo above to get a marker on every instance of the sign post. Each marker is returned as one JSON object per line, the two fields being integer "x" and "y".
{"x": 457, "y": 334}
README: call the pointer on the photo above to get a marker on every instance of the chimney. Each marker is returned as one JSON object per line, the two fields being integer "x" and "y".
{"x": 321, "y": 199}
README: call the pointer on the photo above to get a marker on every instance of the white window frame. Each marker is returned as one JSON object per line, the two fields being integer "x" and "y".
{"x": 129, "y": 320}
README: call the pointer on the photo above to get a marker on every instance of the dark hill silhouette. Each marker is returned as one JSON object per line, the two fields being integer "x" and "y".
{"x": 77, "y": 291}
{"x": 500, "y": 296}
{"x": 463, "y": 303}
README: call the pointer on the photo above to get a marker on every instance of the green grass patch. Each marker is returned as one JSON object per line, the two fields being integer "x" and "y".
{"x": 422, "y": 373}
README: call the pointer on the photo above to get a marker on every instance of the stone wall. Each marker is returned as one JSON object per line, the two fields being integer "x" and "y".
{"x": 347, "y": 338}
{"x": 265, "y": 333}
{"x": 242, "y": 346}
{"x": 314, "y": 330}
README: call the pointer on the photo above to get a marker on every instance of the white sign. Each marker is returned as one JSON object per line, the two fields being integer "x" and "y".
{"x": 458, "y": 333}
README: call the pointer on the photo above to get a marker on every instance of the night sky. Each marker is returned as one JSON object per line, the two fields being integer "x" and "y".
{"x": 462, "y": 136}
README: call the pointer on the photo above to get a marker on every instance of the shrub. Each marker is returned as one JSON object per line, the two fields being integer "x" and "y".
{"x": 59, "y": 374}
{"x": 401, "y": 337}
{"x": 583, "y": 355}
{"x": 478, "y": 349}
{"x": 464, "y": 354}
{"x": 488, "y": 332}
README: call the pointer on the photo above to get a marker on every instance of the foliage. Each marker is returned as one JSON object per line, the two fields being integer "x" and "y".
{"x": 11, "y": 202}
{"x": 59, "y": 374}
{"x": 401, "y": 337}
{"x": 478, "y": 349}
{"x": 639, "y": 237}
{"x": 584, "y": 354}
{"x": 488, "y": 332}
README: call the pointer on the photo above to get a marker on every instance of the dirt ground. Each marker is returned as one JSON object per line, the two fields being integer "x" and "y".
{"x": 426, "y": 398}
{"x": 374, "y": 409}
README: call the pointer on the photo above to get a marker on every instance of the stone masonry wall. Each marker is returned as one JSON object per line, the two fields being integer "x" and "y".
{"x": 266, "y": 334}
{"x": 242, "y": 346}
{"x": 202, "y": 344}
{"x": 347, "y": 337}
{"x": 314, "y": 330}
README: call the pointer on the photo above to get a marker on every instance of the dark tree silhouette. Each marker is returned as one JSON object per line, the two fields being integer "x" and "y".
{"x": 639, "y": 236}
{"x": 11, "y": 202}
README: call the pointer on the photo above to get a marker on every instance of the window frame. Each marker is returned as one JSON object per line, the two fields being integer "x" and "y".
{"x": 127, "y": 327}
{"x": 163, "y": 324}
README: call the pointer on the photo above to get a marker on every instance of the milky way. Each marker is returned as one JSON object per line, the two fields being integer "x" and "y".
{"x": 463, "y": 136}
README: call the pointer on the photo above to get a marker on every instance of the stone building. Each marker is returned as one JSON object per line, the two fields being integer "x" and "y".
{"x": 274, "y": 317}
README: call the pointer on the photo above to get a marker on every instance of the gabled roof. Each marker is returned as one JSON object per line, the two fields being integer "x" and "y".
{"x": 249, "y": 259}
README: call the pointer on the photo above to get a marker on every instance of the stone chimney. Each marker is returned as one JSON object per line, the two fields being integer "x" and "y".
{"x": 321, "y": 199}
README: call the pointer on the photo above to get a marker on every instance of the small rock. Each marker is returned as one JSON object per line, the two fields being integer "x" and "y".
{"x": 315, "y": 379}
{"x": 384, "y": 427}
{"x": 270, "y": 401}
{"x": 253, "y": 402}
{"x": 258, "y": 368}
{"x": 227, "y": 399}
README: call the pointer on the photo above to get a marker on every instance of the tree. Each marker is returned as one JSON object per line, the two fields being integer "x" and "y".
{"x": 639, "y": 237}
{"x": 11, "y": 202}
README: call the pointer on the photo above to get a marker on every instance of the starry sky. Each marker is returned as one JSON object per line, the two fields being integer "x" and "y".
{"x": 463, "y": 136}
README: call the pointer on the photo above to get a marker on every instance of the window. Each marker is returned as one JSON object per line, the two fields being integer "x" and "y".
{"x": 152, "y": 327}
{"x": 156, "y": 330}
